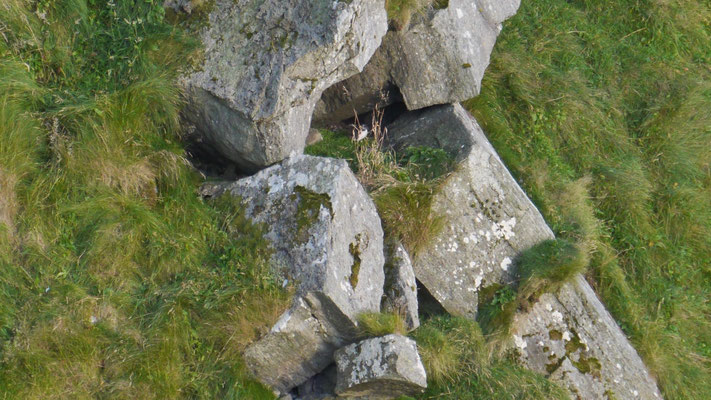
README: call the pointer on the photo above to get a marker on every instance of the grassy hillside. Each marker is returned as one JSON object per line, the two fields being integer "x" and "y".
{"x": 611, "y": 101}
{"x": 118, "y": 281}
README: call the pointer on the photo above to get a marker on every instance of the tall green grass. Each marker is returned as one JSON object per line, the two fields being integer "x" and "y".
{"x": 116, "y": 279}
{"x": 460, "y": 365}
{"x": 613, "y": 97}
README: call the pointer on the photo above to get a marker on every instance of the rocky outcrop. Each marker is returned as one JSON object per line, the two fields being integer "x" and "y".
{"x": 400, "y": 293}
{"x": 489, "y": 218}
{"x": 571, "y": 337}
{"x": 266, "y": 64}
{"x": 328, "y": 242}
{"x": 440, "y": 58}
{"x": 568, "y": 336}
{"x": 380, "y": 368}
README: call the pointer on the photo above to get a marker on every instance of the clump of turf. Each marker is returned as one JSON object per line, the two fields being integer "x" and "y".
{"x": 460, "y": 364}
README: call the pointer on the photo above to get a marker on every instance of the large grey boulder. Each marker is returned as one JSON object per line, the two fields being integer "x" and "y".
{"x": 400, "y": 295}
{"x": 440, "y": 58}
{"x": 489, "y": 218}
{"x": 328, "y": 242}
{"x": 266, "y": 64}
{"x": 380, "y": 368}
{"x": 570, "y": 337}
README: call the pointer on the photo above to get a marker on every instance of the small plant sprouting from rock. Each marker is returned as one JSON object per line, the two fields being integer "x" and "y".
{"x": 402, "y": 185}
{"x": 354, "y": 249}
{"x": 373, "y": 324}
{"x": 401, "y": 11}
{"x": 543, "y": 268}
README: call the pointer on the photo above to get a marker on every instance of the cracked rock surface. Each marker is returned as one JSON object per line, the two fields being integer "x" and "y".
{"x": 400, "y": 295}
{"x": 380, "y": 368}
{"x": 328, "y": 242}
{"x": 266, "y": 64}
{"x": 570, "y": 337}
{"x": 489, "y": 219}
{"x": 439, "y": 59}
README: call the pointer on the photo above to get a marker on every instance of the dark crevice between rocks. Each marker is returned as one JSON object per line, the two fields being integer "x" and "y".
{"x": 428, "y": 306}
{"x": 210, "y": 163}
{"x": 338, "y": 107}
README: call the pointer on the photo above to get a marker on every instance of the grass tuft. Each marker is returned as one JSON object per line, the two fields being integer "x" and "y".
{"x": 596, "y": 108}
{"x": 374, "y": 324}
{"x": 460, "y": 364}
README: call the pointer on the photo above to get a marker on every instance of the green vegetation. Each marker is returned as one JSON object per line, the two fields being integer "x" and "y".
{"x": 401, "y": 11}
{"x": 601, "y": 111}
{"x": 403, "y": 184}
{"x": 544, "y": 268}
{"x": 374, "y": 324}
{"x": 460, "y": 365}
{"x": 116, "y": 279}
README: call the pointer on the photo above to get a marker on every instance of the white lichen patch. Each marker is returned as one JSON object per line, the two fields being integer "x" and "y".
{"x": 477, "y": 281}
{"x": 505, "y": 263}
{"x": 276, "y": 184}
{"x": 566, "y": 336}
{"x": 557, "y": 316}
{"x": 520, "y": 342}
{"x": 504, "y": 229}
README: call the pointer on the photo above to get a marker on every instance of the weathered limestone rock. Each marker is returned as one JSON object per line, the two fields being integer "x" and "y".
{"x": 440, "y": 58}
{"x": 571, "y": 337}
{"x": 267, "y": 63}
{"x": 380, "y": 368}
{"x": 489, "y": 217}
{"x": 328, "y": 241}
{"x": 400, "y": 286}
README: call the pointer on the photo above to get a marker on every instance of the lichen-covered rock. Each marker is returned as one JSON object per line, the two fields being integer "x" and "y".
{"x": 489, "y": 218}
{"x": 380, "y": 368}
{"x": 571, "y": 337}
{"x": 328, "y": 242}
{"x": 266, "y": 64}
{"x": 400, "y": 293}
{"x": 440, "y": 58}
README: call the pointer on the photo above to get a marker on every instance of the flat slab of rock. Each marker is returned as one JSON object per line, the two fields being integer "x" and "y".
{"x": 570, "y": 337}
{"x": 489, "y": 218}
{"x": 440, "y": 58}
{"x": 267, "y": 63}
{"x": 380, "y": 368}
{"x": 328, "y": 241}
{"x": 400, "y": 295}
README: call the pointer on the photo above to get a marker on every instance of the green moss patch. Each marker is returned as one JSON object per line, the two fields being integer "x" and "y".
{"x": 308, "y": 210}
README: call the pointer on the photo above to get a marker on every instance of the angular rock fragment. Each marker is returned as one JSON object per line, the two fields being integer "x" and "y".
{"x": 380, "y": 368}
{"x": 489, "y": 217}
{"x": 400, "y": 295}
{"x": 571, "y": 337}
{"x": 266, "y": 64}
{"x": 328, "y": 241}
{"x": 440, "y": 58}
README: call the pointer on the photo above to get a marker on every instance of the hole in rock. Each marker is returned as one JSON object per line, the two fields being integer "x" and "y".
{"x": 354, "y": 96}
{"x": 427, "y": 305}
{"x": 209, "y": 162}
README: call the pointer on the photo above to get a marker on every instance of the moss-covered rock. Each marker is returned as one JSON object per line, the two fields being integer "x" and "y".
{"x": 328, "y": 243}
